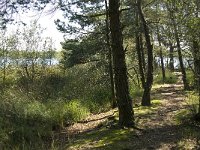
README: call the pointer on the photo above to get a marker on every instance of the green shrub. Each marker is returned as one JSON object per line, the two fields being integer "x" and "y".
{"x": 190, "y": 77}
{"x": 136, "y": 91}
{"x": 98, "y": 100}
{"x": 74, "y": 111}
{"x": 26, "y": 121}
{"x": 170, "y": 77}
{"x": 30, "y": 109}
{"x": 193, "y": 102}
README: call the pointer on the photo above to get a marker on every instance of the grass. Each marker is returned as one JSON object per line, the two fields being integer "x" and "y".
{"x": 170, "y": 77}
{"x": 190, "y": 77}
{"x": 104, "y": 138}
{"x": 32, "y": 110}
{"x": 136, "y": 91}
{"x": 193, "y": 101}
{"x": 28, "y": 122}
{"x": 147, "y": 110}
{"x": 189, "y": 130}
{"x": 111, "y": 137}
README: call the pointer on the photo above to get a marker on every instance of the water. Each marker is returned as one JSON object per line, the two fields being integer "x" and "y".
{"x": 176, "y": 61}
{"x": 23, "y": 61}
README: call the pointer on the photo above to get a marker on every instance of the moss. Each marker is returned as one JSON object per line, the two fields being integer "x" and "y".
{"x": 144, "y": 110}
{"x": 103, "y": 139}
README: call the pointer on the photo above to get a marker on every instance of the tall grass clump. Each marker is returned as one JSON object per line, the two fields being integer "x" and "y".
{"x": 193, "y": 102}
{"x": 190, "y": 78}
{"x": 28, "y": 123}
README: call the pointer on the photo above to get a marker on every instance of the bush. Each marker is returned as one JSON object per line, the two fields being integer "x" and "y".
{"x": 136, "y": 91}
{"x": 193, "y": 102}
{"x": 26, "y": 121}
{"x": 31, "y": 109}
{"x": 74, "y": 111}
{"x": 170, "y": 77}
{"x": 190, "y": 78}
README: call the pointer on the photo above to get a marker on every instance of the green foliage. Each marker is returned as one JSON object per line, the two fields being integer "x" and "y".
{"x": 75, "y": 111}
{"x": 35, "y": 108}
{"x": 190, "y": 77}
{"x": 170, "y": 77}
{"x": 25, "y": 120}
{"x": 104, "y": 138}
{"x": 144, "y": 110}
{"x": 90, "y": 48}
{"x": 135, "y": 91}
{"x": 90, "y": 84}
{"x": 193, "y": 102}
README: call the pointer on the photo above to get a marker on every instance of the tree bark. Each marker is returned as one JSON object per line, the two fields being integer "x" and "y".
{"x": 184, "y": 78}
{"x": 138, "y": 49}
{"x": 196, "y": 55}
{"x": 171, "y": 57}
{"x": 161, "y": 56}
{"x": 176, "y": 35}
{"x": 142, "y": 52}
{"x": 114, "y": 103}
{"x": 126, "y": 114}
{"x": 146, "y": 99}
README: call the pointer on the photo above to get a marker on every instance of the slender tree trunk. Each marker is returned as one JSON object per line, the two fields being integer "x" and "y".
{"x": 142, "y": 52}
{"x": 146, "y": 99}
{"x": 171, "y": 57}
{"x": 184, "y": 78}
{"x": 161, "y": 56}
{"x": 126, "y": 114}
{"x": 4, "y": 65}
{"x": 138, "y": 49}
{"x": 114, "y": 103}
{"x": 196, "y": 55}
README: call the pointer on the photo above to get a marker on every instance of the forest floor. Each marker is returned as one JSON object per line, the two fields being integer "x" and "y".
{"x": 165, "y": 125}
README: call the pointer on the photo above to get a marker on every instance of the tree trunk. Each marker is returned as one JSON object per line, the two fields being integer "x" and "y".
{"x": 142, "y": 52}
{"x": 171, "y": 57}
{"x": 138, "y": 49}
{"x": 161, "y": 56}
{"x": 146, "y": 99}
{"x": 176, "y": 35}
{"x": 114, "y": 103}
{"x": 126, "y": 114}
{"x": 4, "y": 65}
{"x": 184, "y": 78}
{"x": 196, "y": 55}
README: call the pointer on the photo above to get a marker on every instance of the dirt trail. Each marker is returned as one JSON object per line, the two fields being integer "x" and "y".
{"x": 161, "y": 128}
{"x": 172, "y": 99}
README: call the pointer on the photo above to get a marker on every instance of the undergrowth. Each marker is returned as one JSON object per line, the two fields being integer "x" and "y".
{"x": 170, "y": 77}
{"x": 32, "y": 110}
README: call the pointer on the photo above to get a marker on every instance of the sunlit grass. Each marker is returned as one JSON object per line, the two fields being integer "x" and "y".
{"x": 104, "y": 138}
{"x": 143, "y": 110}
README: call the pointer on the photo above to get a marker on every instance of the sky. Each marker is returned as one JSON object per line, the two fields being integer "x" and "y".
{"x": 46, "y": 21}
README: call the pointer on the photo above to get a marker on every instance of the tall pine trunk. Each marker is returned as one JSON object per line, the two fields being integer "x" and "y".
{"x": 161, "y": 56}
{"x": 146, "y": 98}
{"x": 171, "y": 57}
{"x": 142, "y": 52}
{"x": 196, "y": 55}
{"x": 139, "y": 50}
{"x": 180, "y": 57}
{"x": 114, "y": 103}
{"x": 126, "y": 114}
